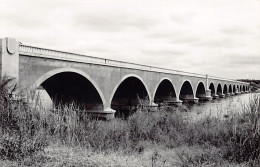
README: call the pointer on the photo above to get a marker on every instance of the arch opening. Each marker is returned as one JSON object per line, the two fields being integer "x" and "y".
{"x": 67, "y": 87}
{"x": 165, "y": 93}
{"x": 244, "y": 88}
{"x": 212, "y": 88}
{"x": 186, "y": 93}
{"x": 238, "y": 90}
{"x": 225, "y": 90}
{"x": 219, "y": 90}
{"x": 201, "y": 91}
{"x": 230, "y": 91}
{"x": 128, "y": 95}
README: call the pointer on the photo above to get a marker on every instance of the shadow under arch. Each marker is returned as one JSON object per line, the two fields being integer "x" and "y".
{"x": 225, "y": 89}
{"x": 186, "y": 92}
{"x": 244, "y": 88}
{"x": 219, "y": 90}
{"x": 234, "y": 89}
{"x": 54, "y": 82}
{"x": 213, "y": 90}
{"x": 128, "y": 93}
{"x": 200, "y": 91}
{"x": 230, "y": 91}
{"x": 164, "y": 91}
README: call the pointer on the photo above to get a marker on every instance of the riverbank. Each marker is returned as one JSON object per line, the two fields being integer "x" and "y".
{"x": 67, "y": 137}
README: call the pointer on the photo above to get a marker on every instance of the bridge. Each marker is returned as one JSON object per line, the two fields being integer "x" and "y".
{"x": 103, "y": 85}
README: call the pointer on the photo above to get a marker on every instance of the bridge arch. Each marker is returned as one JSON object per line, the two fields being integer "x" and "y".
{"x": 219, "y": 89}
{"x": 79, "y": 86}
{"x": 126, "y": 92}
{"x": 212, "y": 88}
{"x": 200, "y": 91}
{"x": 244, "y": 88}
{"x": 225, "y": 89}
{"x": 234, "y": 89}
{"x": 186, "y": 91}
{"x": 230, "y": 91}
{"x": 164, "y": 91}
{"x": 241, "y": 88}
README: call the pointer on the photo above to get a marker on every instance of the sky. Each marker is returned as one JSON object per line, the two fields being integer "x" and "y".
{"x": 216, "y": 37}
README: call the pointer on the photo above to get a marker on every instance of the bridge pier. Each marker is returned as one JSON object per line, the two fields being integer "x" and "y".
{"x": 175, "y": 103}
{"x": 221, "y": 95}
{"x": 236, "y": 92}
{"x": 106, "y": 114}
{"x": 205, "y": 97}
{"x": 208, "y": 95}
{"x": 178, "y": 102}
{"x": 227, "y": 95}
{"x": 153, "y": 106}
{"x": 191, "y": 100}
{"x": 215, "y": 96}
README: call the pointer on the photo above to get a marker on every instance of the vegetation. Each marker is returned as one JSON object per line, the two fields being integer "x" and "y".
{"x": 254, "y": 84}
{"x": 31, "y": 136}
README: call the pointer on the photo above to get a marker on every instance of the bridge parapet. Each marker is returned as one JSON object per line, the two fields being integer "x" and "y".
{"x": 60, "y": 55}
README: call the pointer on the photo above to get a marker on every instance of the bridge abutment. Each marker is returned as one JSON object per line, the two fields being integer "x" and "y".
{"x": 9, "y": 59}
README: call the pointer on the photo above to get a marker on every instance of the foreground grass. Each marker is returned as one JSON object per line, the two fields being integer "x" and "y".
{"x": 31, "y": 136}
{"x": 60, "y": 155}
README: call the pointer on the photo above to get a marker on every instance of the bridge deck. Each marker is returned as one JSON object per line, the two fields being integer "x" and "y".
{"x": 61, "y": 55}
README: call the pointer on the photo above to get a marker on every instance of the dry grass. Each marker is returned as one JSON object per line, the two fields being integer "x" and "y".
{"x": 158, "y": 138}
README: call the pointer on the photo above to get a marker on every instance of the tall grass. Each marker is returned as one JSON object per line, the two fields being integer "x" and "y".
{"x": 27, "y": 130}
{"x": 20, "y": 126}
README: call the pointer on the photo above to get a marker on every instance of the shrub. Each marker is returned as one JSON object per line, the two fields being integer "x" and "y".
{"x": 20, "y": 126}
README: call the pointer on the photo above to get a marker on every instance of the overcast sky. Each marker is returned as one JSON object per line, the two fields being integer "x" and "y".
{"x": 215, "y": 37}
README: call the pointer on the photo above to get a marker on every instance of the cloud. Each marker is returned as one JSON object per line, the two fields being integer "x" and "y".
{"x": 179, "y": 36}
{"x": 247, "y": 59}
{"x": 235, "y": 30}
{"x": 198, "y": 36}
{"x": 218, "y": 43}
{"x": 111, "y": 22}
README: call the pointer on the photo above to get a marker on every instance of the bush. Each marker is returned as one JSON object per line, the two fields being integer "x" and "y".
{"x": 20, "y": 126}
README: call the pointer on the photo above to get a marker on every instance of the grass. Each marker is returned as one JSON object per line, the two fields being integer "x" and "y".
{"x": 31, "y": 136}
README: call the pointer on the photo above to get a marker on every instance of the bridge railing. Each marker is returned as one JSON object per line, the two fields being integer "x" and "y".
{"x": 54, "y": 54}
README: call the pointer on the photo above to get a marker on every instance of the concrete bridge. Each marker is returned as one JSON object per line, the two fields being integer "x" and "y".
{"x": 105, "y": 85}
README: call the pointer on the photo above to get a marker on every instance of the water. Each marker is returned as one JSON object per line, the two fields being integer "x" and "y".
{"x": 219, "y": 107}
{"x": 222, "y": 107}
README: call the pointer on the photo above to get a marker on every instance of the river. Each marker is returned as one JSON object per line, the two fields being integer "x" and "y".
{"x": 221, "y": 108}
